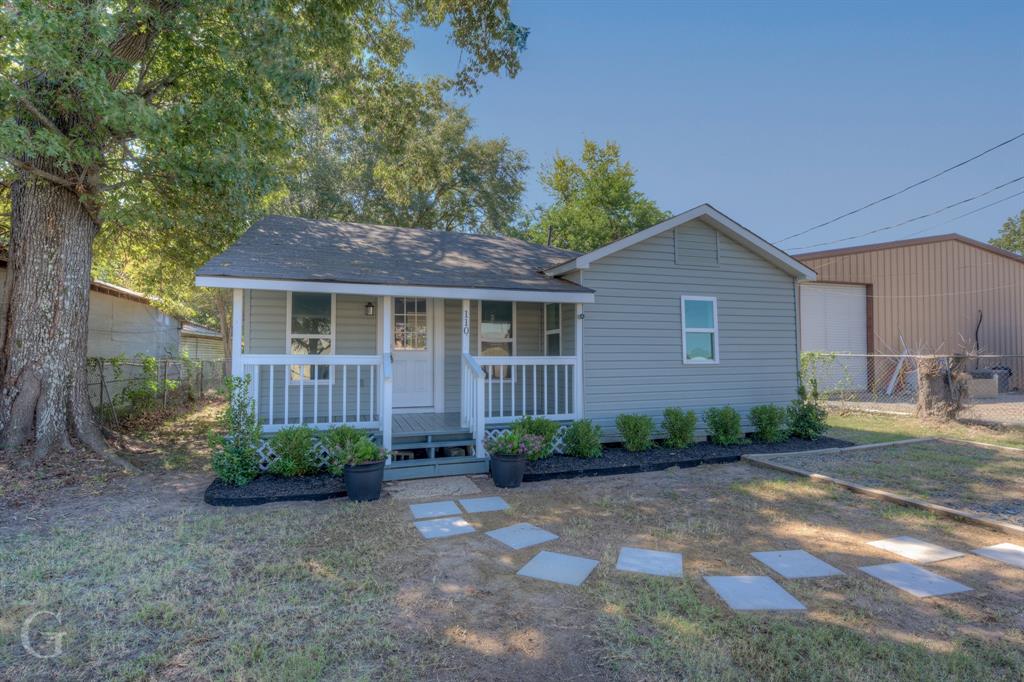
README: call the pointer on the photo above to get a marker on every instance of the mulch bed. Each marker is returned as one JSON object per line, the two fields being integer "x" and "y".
{"x": 265, "y": 489}
{"x": 620, "y": 461}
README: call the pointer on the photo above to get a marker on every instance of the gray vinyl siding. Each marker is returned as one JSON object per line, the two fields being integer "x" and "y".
{"x": 355, "y": 333}
{"x": 632, "y": 338}
{"x": 696, "y": 246}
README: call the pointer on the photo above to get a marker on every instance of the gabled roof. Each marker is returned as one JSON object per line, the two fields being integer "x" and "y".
{"x": 881, "y": 246}
{"x": 708, "y": 214}
{"x": 325, "y": 251}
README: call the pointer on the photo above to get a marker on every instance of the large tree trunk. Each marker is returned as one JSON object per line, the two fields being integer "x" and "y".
{"x": 43, "y": 395}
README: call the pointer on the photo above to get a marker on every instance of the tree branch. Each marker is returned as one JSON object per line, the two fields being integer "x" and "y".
{"x": 40, "y": 116}
{"x": 46, "y": 175}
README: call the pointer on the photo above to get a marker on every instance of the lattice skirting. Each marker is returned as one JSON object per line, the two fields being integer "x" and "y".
{"x": 320, "y": 454}
{"x": 558, "y": 442}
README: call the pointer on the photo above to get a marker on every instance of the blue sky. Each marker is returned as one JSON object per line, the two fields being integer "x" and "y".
{"x": 782, "y": 115}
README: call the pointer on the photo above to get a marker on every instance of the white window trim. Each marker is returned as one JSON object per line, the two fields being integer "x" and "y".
{"x": 288, "y": 344}
{"x": 712, "y": 330}
{"x": 556, "y": 330}
{"x": 480, "y": 332}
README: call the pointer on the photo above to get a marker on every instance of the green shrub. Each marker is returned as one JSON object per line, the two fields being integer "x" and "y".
{"x": 538, "y": 426}
{"x": 358, "y": 449}
{"x": 723, "y": 425}
{"x": 294, "y": 449}
{"x": 337, "y": 438}
{"x": 769, "y": 423}
{"x": 512, "y": 443}
{"x": 582, "y": 438}
{"x": 636, "y": 430}
{"x": 805, "y": 418}
{"x": 679, "y": 427}
{"x": 235, "y": 460}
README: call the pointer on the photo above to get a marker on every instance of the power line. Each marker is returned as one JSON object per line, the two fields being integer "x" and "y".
{"x": 980, "y": 208}
{"x": 905, "y": 189}
{"x": 915, "y": 218}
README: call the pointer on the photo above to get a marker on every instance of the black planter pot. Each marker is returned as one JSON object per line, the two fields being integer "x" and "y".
{"x": 364, "y": 481}
{"x": 507, "y": 470}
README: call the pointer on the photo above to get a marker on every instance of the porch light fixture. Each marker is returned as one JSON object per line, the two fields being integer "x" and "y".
{"x": 370, "y": 309}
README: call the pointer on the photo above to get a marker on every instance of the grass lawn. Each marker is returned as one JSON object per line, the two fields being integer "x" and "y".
{"x": 867, "y": 427}
{"x": 982, "y": 479}
{"x": 152, "y": 584}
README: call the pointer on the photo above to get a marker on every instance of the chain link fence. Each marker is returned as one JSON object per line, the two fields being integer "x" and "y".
{"x": 977, "y": 388}
{"x": 120, "y": 389}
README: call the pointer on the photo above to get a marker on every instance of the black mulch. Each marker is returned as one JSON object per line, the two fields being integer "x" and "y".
{"x": 267, "y": 488}
{"x": 620, "y": 461}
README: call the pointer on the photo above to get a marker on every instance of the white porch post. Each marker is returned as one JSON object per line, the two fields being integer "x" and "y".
{"x": 236, "y": 333}
{"x": 386, "y": 383}
{"x": 465, "y": 325}
{"x": 577, "y": 400}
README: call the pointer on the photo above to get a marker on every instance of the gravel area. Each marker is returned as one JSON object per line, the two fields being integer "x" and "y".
{"x": 620, "y": 461}
{"x": 268, "y": 488}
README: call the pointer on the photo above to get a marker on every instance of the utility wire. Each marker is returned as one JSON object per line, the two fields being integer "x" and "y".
{"x": 905, "y": 189}
{"x": 964, "y": 215}
{"x": 915, "y": 218}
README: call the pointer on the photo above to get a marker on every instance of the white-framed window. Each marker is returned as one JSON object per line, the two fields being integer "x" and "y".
{"x": 700, "y": 330}
{"x": 552, "y": 328}
{"x": 310, "y": 332}
{"x": 410, "y": 324}
{"x": 496, "y": 335}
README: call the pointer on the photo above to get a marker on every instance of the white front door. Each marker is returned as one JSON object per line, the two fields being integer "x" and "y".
{"x": 413, "y": 353}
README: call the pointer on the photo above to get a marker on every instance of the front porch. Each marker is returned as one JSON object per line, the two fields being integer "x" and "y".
{"x": 431, "y": 377}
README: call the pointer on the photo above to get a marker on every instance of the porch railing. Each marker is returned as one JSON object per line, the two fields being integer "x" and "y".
{"x": 472, "y": 400}
{"x": 318, "y": 390}
{"x": 515, "y": 387}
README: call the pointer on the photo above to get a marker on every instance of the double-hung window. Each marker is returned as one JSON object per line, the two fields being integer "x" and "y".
{"x": 700, "y": 330}
{"x": 310, "y": 332}
{"x": 497, "y": 333}
{"x": 553, "y": 329}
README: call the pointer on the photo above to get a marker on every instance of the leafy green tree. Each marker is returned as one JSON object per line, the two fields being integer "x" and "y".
{"x": 415, "y": 165}
{"x": 595, "y": 201}
{"x": 164, "y": 123}
{"x": 1011, "y": 234}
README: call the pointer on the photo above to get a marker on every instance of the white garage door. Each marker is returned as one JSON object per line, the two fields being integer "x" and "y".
{"x": 834, "y": 319}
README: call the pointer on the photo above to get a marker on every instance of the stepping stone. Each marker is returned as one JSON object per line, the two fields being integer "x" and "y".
{"x": 430, "y": 510}
{"x": 753, "y": 593}
{"x": 443, "y": 528}
{"x": 650, "y": 561}
{"x": 915, "y": 550}
{"x": 521, "y": 535}
{"x": 478, "y": 505}
{"x": 1006, "y": 552}
{"x": 917, "y": 581}
{"x": 796, "y": 563}
{"x": 558, "y": 568}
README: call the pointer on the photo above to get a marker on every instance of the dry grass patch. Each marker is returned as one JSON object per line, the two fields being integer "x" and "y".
{"x": 867, "y": 427}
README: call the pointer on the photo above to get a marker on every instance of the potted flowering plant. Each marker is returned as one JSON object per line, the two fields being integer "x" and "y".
{"x": 361, "y": 462}
{"x": 509, "y": 452}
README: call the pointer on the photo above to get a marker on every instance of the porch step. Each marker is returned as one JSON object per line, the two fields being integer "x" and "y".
{"x": 427, "y": 444}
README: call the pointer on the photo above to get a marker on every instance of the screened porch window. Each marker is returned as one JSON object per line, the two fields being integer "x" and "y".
{"x": 310, "y": 332}
{"x": 497, "y": 332}
{"x": 700, "y": 330}
{"x": 553, "y": 328}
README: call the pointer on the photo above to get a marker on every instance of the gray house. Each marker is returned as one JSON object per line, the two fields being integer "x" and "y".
{"x": 435, "y": 340}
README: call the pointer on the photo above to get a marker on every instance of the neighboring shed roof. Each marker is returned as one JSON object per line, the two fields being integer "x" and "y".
{"x": 199, "y": 331}
{"x": 880, "y": 246}
{"x": 285, "y": 248}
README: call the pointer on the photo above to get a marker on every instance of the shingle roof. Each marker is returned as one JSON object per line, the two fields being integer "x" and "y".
{"x": 280, "y": 247}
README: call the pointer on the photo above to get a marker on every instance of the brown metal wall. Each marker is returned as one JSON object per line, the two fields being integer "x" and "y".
{"x": 931, "y": 294}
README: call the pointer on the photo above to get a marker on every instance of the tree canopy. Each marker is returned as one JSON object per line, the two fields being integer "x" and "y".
{"x": 1011, "y": 234}
{"x": 409, "y": 160}
{"x": 595, "y": 200}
